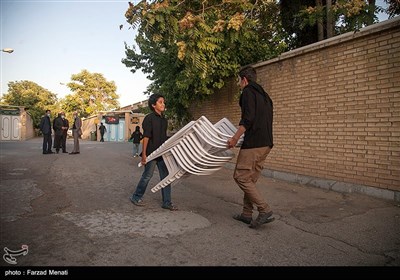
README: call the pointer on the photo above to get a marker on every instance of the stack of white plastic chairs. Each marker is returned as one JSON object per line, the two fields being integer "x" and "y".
{"x": 199, "y": 148}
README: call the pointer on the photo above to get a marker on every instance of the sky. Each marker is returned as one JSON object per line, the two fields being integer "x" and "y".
{"x": 52, "y": 40}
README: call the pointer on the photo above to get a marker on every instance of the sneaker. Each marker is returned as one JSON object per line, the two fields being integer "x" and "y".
{"x": 139, "y": 202}
{"x": 240, "y": 217}
{"x": 263, "y": 218}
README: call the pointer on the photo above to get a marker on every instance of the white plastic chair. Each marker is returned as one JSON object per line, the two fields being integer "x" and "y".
{"x": 170, "y": 142}
{"x": 202, "y": 157}
{"x": 199, "y": 148}
{"x": 227, "y": 127}
{"x": 184, "y": 162}
{"x": 174, "y": 172}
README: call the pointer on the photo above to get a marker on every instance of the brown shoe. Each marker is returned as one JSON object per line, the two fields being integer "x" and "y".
{"x": 263, "y": 218}
{"x": 240, "y": 217}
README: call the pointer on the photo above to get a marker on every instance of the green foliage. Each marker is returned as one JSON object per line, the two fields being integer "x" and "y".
{"x": 91, "y": 93}
{"x": 348, "y": 15}
{"x": 188, "y": 48}
{"x": 393, "y": 8}
{"x": 33, "y": 97}
{"x": 301, "y": 28}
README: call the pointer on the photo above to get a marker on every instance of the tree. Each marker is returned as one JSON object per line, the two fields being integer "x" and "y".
{"x": 91, "y": 93}
{"x": 299, "y": 33}
{"x": 336, "y": 17}
{"x": 188, "y": 48}
{"x": 32, "y": 96}
{"x": 394, "y": 8}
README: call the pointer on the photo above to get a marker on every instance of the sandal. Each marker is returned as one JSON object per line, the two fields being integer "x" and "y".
{"x": 240, "y": 217}
{"x": 170, "y": 207}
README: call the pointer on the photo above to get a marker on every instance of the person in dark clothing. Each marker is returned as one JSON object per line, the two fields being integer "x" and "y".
{"x": 58, "y": 132}
{"x": 45, "y": 127}
{"x": 136, "y": 137}
{"x": 65, "y": 128}
{"x": 256, "y": 124}
{"x": 102, "y": 129}
{"x": 154, "y": 135}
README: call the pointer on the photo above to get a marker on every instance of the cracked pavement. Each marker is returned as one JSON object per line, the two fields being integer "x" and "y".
{"x": 74, "y": 210}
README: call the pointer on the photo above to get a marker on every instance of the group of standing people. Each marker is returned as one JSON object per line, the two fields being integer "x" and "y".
{"x": 256, "y": 125}
{"x": 60, "y": 125}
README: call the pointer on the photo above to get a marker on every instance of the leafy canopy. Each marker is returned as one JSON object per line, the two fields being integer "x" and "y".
{"x": 348, "y": 15}
{"x": 32, "y": 96}
{"x": 91, "y": 93}
{"x": 188, "y": 48}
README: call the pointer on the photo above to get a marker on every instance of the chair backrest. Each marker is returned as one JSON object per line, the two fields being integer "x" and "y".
{"x": 227, "y": 127}
{"x": 170, "y": 142}
{"x": 187, "y": 165}
{"x": 202, "y": 157}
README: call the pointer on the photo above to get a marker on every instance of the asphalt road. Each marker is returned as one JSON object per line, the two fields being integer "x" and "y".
{"x": 74, "y": 210}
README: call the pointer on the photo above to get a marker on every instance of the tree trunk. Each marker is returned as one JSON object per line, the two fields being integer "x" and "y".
{"x": 329, "y": 19}
{"x": 320, "y": 21}
{"x": 371, "y": 12}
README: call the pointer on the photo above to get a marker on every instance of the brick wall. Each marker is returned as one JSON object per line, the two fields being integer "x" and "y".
{"x": 336, "y": 107}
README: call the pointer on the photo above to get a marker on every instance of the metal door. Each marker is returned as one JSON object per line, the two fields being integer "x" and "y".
{"x": 10, "y": 127}
{"x": 115, "y": 132}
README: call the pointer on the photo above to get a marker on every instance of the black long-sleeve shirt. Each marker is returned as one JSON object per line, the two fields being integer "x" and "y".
{"x": 136, "y": 136}
{"x": 257, "y": 117}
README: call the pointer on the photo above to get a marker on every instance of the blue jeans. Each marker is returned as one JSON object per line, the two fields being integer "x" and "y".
{"x": 146, "y": 176}
{"x": 136, "y": 148}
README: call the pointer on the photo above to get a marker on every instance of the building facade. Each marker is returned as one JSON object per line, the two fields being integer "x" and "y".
{"x": 119, "y": 123}
{"x": 15, "y": 123}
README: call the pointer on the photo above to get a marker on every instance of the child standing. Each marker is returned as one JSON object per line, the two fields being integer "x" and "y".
{"x": 154, "y": 135}
{"x": 136, "y": 137}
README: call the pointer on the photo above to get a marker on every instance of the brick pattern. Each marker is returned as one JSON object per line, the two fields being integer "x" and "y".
{"x": 336, "y": 109}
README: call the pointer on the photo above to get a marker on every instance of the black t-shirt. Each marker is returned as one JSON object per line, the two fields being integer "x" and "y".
{"x": 155, "y": 128}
